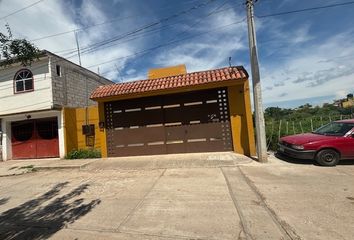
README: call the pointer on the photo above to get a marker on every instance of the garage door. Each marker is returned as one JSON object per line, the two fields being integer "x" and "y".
{"x": 35, "y": 139}
{"x": 178, "y": 123}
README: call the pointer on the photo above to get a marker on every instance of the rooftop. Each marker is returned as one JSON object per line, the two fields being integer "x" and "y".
{"x": 226, "y": 74}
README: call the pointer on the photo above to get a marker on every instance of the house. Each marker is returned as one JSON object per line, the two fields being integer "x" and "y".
{"x": 348, "y": 102}
{"x": 177, "y": 112}
{"x": 33, "y": 103}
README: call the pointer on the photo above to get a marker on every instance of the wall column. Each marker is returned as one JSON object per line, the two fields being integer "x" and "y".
{"x": 241, "y": 119}
{"x": 102, "y": 132}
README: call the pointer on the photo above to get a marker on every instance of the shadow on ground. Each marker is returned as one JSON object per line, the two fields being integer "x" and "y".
{"x": 294, "y": 160}
{"x": 309, "y": 161}
{"x": 41, "y": 217}
{"x": 4, "y": 201}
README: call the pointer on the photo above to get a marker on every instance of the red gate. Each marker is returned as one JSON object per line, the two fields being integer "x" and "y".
{"x": 35, "y": 138}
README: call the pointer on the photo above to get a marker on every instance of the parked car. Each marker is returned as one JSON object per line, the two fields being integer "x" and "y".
{"x": 327, "y": 145}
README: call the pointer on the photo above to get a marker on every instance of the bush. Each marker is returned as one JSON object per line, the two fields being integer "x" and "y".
{"x": 83, "y": 154}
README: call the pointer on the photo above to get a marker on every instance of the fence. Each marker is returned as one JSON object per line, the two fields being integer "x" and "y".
{"x": 276, "y": 129}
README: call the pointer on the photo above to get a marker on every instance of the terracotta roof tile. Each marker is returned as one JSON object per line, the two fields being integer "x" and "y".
{"x": 171, "y": 82}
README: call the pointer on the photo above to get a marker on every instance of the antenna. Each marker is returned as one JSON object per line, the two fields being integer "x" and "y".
{"x": 78, "y": 47}
{"x": 230, "y": 61}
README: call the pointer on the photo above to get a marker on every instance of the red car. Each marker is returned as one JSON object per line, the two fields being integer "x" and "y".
{"x": 327, "y": 145}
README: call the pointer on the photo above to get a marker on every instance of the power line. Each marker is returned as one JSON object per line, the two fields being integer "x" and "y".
{"x": 102, "y": 44}
{"x": 306, "y": 9}
{"x": 167, "y": 44}
{"x": 90, "y": 48}
{"x": 141, "y": 52}
{"x": 105, "y": 42}
{"x": 118, "y": 19}
{"x": 137, "y": 53}
{"x": 94, "y": 25}
{"x": 20, "y": 10}
{"x": 217, "y": 10}
{"x": 147, "y": 50}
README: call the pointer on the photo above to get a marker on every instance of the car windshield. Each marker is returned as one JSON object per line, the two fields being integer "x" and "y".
{"x": 335, "y": 129}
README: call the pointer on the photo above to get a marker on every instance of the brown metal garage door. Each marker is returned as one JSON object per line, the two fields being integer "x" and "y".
{"x": 177, "y": 123}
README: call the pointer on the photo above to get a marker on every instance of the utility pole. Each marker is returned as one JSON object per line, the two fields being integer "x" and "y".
{"x": 257, "y": 91}
{"x": 86, "y": 83}
{"x": 78, "y": 47}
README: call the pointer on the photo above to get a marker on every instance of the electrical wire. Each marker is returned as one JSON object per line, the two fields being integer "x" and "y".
{"x": 116, "y": 38}
{"x": 217, "y": 10}
{"x": 93, "y": 25}
{"x": 20, "y": 10}
{"x": 144, "y": 51}
{"x": 305, "y": 9}
{"x": 89, "y": 48}
{"x": 167, "y": 44}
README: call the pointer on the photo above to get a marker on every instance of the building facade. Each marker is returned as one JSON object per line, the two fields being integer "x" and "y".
{"x": 33, "y": 102}
{"x": 177, "y": 112}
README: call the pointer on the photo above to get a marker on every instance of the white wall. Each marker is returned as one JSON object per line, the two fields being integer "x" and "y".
{"x": 39, "y": 99}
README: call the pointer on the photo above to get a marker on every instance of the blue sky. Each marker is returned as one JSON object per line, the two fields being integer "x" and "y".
{"x": 304, "y": 57}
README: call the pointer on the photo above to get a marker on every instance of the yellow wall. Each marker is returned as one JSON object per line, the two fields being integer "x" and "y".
{"x": 167, "y": 71}
{"x": 241, "y": 119}
{"x": 70, "y": 132}
{"x": 347, "y": 104}
{"x": 102, "y": 133}
{"x": 74, "y": 119}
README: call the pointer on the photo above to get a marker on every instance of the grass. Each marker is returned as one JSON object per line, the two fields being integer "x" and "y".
{"x": 83, "y": 154}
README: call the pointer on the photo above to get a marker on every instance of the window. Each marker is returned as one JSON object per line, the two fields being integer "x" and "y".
{"x": 58, "y": 68}
{"x": 335, "y": 129}
{"x": 23, "y": 81}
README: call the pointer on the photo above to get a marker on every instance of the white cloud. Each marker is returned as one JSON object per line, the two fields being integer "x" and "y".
{"x": 51, "y": 17}
{"x": 312, "y": 71}
{"x": 210, "y": 50}
{"x": 341, "y": 93}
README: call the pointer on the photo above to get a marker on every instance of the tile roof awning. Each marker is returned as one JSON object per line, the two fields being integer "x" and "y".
{"x": 182, "y": 81}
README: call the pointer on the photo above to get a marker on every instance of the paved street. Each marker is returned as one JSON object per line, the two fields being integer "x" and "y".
{"x": 210, "y": 197}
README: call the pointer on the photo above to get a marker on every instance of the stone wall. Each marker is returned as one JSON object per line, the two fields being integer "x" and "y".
{"x": 69, "y": 87}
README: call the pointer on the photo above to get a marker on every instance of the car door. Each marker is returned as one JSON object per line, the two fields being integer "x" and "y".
{"x": 348, "y": 145}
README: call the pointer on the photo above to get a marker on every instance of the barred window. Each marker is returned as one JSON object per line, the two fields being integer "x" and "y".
{"x": 23, "y": 81}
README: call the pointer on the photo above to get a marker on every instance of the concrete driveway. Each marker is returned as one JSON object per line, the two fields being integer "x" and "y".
{"x": 209, "y": 197}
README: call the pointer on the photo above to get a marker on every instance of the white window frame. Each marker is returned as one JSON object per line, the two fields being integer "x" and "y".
{"x": 23, "y": 80}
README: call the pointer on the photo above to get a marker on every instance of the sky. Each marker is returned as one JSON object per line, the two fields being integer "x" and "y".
{"x": 305, "y": 57}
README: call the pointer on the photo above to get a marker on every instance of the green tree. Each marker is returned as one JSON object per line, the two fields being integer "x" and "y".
{"x": 16, "y": 50}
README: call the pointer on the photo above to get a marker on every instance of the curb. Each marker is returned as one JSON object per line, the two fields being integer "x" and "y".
{"x": 55, "y": 167}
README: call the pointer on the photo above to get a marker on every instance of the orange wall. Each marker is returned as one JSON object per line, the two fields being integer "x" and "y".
{"x": 167, "y": 71}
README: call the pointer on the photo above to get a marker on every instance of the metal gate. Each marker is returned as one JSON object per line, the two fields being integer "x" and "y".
{"x": 176, "y": 123}
{"x": 35, "y": 138}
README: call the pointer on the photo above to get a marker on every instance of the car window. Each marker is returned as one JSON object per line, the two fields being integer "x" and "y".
{"x": 335, "y": 129}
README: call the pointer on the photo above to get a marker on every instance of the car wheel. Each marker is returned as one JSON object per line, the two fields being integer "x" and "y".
{"x": 327, "y": 157}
